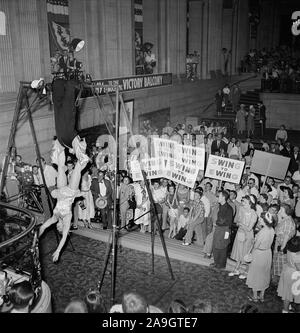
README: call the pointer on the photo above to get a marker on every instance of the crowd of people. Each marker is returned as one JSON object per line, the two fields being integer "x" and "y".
{"x": 279, "y": 68}
{"x": 225, "y": 219}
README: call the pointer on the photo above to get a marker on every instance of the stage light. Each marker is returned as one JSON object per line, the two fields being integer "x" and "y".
{"x": 77, "y": 44}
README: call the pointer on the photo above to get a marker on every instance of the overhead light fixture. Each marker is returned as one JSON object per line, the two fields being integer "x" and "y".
{"x": 77, "y": 44}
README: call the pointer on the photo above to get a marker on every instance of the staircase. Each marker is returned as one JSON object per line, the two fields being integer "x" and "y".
{"x": 248, "y": 98}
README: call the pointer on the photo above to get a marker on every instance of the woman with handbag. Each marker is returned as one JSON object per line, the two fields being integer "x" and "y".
{"x": 259, "y": 275}
{"x": 172, "y": 204}
{"x": 246, "y": 220}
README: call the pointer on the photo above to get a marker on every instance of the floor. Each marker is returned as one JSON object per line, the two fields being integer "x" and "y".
{"x": 81, "y": 264}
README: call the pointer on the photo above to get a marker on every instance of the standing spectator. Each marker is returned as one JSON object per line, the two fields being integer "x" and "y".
{"x": 218, "y": 144}
{"x": 295, "y": 160}
{"x": 235, "y": 97}
{"x": 218, "y": 101}
{"x": 296, "y": 175}
{"x": 86, "y": 209}
{"x": 262, "y": 117}
{"x": 172, "y": 204}
{"x": 101, "y": 187}
{"x": 37, "y": 177}
{"x": 285, "y": 230}
{"x": 221, "y": 238}
{"x": 226, "y": 95}
{"x": 281, "y": 134}
{"x": 250, "y": 120}
{"x": 167, "y": 129}
{"x": 241, "y": 120}
{"x": 290, "y": 269}
{"x": 124, "y": 197}
{"x": 245, "y": 220}
{"x": 258, "y": 278}
{"x": 196, "y": 219}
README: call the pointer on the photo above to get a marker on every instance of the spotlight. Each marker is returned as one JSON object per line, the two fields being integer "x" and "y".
{"x": 76, "y": 45}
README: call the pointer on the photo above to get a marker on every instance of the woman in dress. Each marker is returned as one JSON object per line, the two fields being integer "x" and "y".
{"x": 86, "y": 209}
{"x": 124, "y": 196}
{"x": 208, "y": 144}
{"x": 241, "y": 120}
{"x": 171, "y": 202}
{"x": 285, "y": 230}
{"x": 250, "y": 120}
{"x": 287, "y": 288}
{"x": 142, "y": 211}
{"x": 258, "y": 278}
{"x": 245, "y": 220}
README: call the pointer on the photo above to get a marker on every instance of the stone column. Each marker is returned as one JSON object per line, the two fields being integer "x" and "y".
{"x": 215, "y": 34}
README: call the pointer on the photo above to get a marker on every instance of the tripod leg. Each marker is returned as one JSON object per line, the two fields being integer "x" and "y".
{"x": 158, "y": 223}
{"x": 152, "y": 243}
{"x": 106, "y": 260}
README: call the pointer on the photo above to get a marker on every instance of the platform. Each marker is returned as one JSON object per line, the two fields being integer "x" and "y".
{"x": 138, "y": 241}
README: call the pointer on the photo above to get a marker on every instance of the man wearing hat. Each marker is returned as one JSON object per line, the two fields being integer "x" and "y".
{"x": 101, "y": 189}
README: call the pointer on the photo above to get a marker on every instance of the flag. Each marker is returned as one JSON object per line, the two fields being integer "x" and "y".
{"x": 60, "y": 7}
{"x": 61, "y": 35}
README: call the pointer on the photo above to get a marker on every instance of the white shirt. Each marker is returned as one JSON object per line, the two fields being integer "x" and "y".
{"x": 296, "y": 176}
{"x": 206, "y": 206}
{"x": 159, "y": 195}
{"x": 102, "y": 189}
{"x": 182, "y": 222}
{"x": 274, "y": 192}
{"x": 37, "y": 179}
{"x": 50, "y": 175}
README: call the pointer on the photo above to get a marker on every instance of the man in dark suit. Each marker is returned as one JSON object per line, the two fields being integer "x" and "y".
{"x": 101, "y": 187}
{"x": 295, "y": 159}
{"x": 262, "y": 117}
{"x": 221, "y": 238}
{"x": 218, "y": 144}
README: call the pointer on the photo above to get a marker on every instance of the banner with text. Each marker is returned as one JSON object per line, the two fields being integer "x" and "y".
{"x": 152, "y": 166}
{"x": 180, "y": 163}
{"x": 133, "y": 83}
{"x": 224, "y": 169}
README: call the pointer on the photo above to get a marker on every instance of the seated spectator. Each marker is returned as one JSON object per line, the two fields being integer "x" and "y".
{"x": 182, "y": 224}
{"x": 177, "y": 306}
{"x": 76, "y": 306}
{"x": 21, "y": 296}
{"x": 281, "y": 134}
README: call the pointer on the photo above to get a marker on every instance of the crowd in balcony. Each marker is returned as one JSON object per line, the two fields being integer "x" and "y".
{"x": 279, "y": 68}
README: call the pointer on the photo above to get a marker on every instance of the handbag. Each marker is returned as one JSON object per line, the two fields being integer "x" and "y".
{"x": 249, "y": 257}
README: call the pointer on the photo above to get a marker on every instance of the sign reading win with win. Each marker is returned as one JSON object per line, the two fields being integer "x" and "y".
{"x": 224, "y": 169}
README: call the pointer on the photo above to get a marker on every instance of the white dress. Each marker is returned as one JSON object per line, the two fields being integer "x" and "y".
{"x": 89, "y": 212}
{"x": 141, "y": 207}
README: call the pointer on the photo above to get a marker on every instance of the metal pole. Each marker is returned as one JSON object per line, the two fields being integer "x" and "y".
{"x": 115, "y": 216}
{"x": 38, "y": 153}
{"x": 11, "y": 138}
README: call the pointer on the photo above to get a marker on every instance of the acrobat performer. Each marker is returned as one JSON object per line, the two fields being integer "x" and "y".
{"x": 65, "y": 193}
